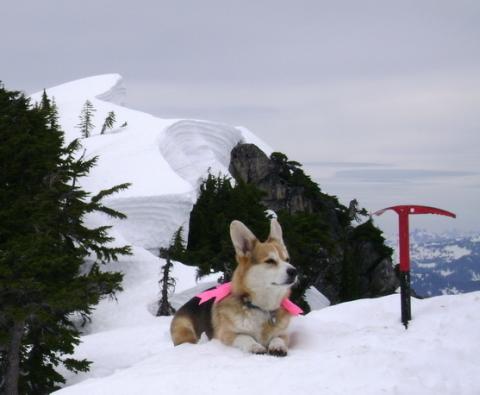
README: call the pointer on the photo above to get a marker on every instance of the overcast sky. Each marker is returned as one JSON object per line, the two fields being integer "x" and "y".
{"x": 379, "y": 99}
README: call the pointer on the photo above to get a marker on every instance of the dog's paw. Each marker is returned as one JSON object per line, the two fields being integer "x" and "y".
{"x": 249, "y": 344}
{"x": 277, "y": 352}
{"x": 258, "y": 349}
{"x": 277, "y": 347}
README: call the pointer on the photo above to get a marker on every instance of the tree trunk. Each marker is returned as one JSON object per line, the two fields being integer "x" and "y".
{"x": 13, "y": 358}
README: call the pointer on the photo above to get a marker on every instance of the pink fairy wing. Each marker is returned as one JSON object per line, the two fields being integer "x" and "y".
{"x": 219, "y": 293}
{"x": 291, "y": 307}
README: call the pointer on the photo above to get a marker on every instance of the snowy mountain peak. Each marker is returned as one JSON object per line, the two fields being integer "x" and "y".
{"x": 100, "y": 86}
{"x": 163, "y": 159}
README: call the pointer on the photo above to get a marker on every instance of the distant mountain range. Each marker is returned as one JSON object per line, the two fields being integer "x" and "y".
{"x": 443, "y": 263}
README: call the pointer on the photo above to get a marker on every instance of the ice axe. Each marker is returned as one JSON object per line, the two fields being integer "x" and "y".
{"x": 403, "y": 212}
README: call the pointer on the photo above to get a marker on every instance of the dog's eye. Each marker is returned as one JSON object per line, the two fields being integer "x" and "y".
{"x": 271, "y": 261}
{"x": 287, "y": 259}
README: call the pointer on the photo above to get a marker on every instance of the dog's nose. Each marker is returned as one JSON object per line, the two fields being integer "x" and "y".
{"x": 291, "y": 272}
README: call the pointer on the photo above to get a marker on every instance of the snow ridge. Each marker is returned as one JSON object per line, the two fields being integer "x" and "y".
{"x": 116, "y": 94}
{"x": 193, "y": 148}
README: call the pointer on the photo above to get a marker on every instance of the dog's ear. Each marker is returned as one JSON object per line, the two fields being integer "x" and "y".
{"x": 242, "y": 238}
{"x": 276, "y": 232}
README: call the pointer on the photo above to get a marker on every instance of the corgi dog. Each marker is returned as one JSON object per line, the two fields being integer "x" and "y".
{"x": 251, "y": 317}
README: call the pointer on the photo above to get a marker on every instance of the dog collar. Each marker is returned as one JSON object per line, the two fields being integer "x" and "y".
{"x": 272, "y": 314}
{"x": 223, "y": 290}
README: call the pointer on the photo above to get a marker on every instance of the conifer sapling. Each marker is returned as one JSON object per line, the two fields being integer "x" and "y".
{"x": 86, "y": 119}
{"x": 109, "y": 122}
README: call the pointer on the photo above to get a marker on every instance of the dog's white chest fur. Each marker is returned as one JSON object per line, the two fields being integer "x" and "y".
{"x": 252, "y": 322}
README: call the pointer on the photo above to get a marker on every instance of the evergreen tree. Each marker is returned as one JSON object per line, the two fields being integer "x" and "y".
{"x": 86, "y": 122}
{"x": 355, "y": 212}
{"x": 167, "y": 285}
{"x": 219, "y": 203}
{"x": 109, "y": 122}
{"x": 49, "y": 260}
{"x": 288, "y": 167}
{"x": 176, "y": 249}
{"x": 54, "y": 114}
{"x": 309, "y": 245}
{"x": 45, "y": 101}
{"x": 49, "y": 108}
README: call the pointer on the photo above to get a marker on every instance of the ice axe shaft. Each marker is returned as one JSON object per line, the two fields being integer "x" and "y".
{"x": 406, "y": 311}
{"x": 404, "y": 243}
{"x": 403, "y": 212}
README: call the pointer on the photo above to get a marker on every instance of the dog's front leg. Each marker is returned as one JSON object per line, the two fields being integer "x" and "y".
{"x": 248, "y": 344}
{"x": 278, "y": 346}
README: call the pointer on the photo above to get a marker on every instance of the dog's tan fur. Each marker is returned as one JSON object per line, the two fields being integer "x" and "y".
{"x": 183, "y": 331}
{"x": 263, "y": 328}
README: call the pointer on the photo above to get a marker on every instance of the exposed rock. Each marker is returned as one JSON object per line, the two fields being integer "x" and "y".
{"x": 377, "y": 274}
{"x": 329, "y": 277}
{"x": 250, "y": 164}
{"x": 350, "y": 267}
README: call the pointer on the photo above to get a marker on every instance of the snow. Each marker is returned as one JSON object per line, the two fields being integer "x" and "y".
{"x": 253, "y": 139}
{"x": 357, "y": 347}
{"x": 194, "y": 147}
{"x": 316, "y": 299}
{"x": 449, "y": 253}
{"x": 163, "y": 159}
{"x": 429, "y": 265}
{"x": 446, "y": 273}
{"x": 450, "y": 291}
{"x": 475, "y": 276}
{"x": 456, "y": 252}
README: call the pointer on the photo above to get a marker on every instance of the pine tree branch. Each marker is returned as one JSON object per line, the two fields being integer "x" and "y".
{"x": 107, "y": 192}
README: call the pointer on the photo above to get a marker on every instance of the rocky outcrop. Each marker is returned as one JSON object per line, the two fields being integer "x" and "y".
{"x": 250, "y": 164}
{"x": 350, "y": 261}
{"x": 376, "y": 273}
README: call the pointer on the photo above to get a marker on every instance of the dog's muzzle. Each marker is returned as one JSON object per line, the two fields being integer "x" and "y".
{"x": 292, "y": 275}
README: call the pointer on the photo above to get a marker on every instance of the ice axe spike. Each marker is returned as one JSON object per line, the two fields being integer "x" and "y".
{"x": 403, "y": 212}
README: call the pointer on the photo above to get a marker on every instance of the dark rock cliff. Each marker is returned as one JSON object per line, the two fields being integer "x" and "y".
{"x": 250, "y": 164}
{"x": 347, "y": 262}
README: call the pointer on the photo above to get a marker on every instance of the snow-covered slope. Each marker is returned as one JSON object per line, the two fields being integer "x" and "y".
{"x": 358, "y": 347}
{"x": 163, "y": 159}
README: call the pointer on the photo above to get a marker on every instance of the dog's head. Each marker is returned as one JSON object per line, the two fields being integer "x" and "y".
{"x": 261, "y": 266}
